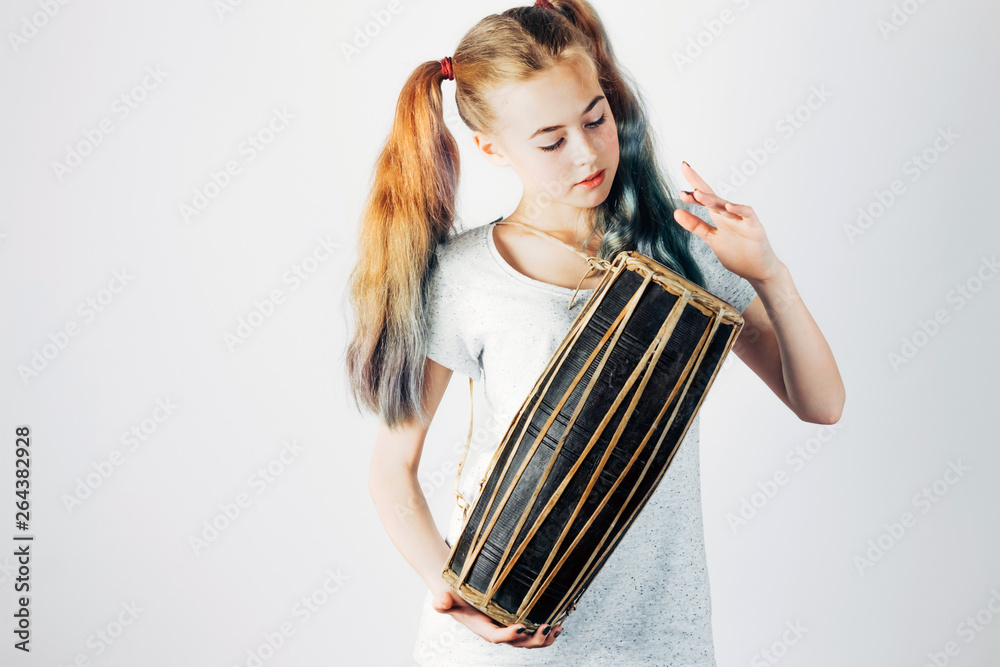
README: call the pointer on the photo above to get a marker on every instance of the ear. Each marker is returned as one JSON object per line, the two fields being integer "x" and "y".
{"x": 489, "y": 147}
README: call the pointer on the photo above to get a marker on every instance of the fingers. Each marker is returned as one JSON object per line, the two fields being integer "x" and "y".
{"x": 693, "y": 223}
{"x": 740, "y": 210}
{"x": 704, "y": 195}
{"x": 540, "y": 638}
{"x": 694, "y": 179}
{"x": 499, "y": 635}
{"x": 714, "y": 203}
{"x": 478, "y": 622}
{"x": 448, "y": 602}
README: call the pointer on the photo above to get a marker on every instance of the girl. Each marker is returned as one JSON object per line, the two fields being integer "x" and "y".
{"x": 542, "y": 91}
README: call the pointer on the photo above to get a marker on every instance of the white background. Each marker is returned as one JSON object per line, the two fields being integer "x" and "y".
{"x": 161, "y": 335}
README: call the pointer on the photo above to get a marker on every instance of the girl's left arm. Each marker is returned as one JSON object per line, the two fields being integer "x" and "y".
{"x": 780, "y": 341}
{"x": 783, "y": 345}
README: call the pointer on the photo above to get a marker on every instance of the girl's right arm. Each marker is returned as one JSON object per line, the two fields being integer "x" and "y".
{"x": 407, "y": 519}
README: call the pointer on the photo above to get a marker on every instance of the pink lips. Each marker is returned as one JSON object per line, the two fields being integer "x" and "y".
{"x": 593, "y": 181}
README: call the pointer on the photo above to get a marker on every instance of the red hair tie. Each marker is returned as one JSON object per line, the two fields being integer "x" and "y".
{"x": 446, "y": 69}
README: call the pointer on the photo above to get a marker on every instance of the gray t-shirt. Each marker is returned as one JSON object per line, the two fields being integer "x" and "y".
{"x": 650, "y": 603}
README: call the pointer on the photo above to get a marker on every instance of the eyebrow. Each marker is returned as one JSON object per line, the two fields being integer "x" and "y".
{"x": 553, "y": 128}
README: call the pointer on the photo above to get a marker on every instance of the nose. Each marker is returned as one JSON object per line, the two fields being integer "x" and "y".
{"x": 586, "y": 152}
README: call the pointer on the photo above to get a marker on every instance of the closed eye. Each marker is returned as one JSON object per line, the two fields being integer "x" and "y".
{"x": 595, "y": 124}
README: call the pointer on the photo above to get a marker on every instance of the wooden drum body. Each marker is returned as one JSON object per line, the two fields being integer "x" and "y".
{"x": 591, "y": 442}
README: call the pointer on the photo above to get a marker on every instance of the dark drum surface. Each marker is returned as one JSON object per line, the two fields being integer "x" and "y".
{"x": 653, "y": 308}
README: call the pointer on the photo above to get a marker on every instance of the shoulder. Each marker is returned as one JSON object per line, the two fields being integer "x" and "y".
{"x": 458, "y": 253}
{"x": 462, "y": 243}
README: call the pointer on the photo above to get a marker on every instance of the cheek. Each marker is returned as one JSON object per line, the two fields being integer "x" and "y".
{"x": 609, "y": 139}
{"x": 551, "y": 170}
{"x": 529, "y": 166}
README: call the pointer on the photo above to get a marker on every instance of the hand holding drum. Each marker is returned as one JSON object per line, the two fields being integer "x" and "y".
{"x": 450, "y": 602}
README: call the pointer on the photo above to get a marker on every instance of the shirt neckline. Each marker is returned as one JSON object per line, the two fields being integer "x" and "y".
{"x": 514, "y": 273}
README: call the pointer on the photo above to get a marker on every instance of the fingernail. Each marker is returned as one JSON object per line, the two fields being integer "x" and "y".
{"x": 685, "y": 163}
{"x": 546, "y": 630}
{"x": 558, "y": 632}
{"x": 520, "y": 630}
{"x": 687, "y": 192}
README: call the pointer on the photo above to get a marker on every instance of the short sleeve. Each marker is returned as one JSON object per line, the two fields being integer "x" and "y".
{"x": 446, "y": 318}
{"x": 720, "y": 281}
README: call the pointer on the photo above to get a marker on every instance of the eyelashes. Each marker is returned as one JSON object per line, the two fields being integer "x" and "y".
{"x": 556, "y": 145}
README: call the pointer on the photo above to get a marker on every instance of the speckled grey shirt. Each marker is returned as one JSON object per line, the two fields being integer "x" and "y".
{"x": 650, "y": 604}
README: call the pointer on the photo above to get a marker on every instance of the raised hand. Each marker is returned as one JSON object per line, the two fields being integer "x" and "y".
{"x": 737, "y": 239}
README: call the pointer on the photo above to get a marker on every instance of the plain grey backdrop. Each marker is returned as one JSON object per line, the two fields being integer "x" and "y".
{"x": 181, "y": 188}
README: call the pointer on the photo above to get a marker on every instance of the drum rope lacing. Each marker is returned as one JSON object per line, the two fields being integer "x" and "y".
{"x": 593, "y": 264}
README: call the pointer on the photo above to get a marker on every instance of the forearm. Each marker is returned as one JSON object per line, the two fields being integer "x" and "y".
{"x": 812, "y": 382}
{"x": 407, "y": 519}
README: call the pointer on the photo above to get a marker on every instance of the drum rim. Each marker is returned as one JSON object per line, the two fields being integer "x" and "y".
{"x": 707, "y": 302}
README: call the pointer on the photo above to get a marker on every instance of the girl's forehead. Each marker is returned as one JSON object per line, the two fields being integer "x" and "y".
{"x": 558, "y": 94}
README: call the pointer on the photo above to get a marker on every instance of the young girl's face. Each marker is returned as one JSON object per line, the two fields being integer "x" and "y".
{"x": 557, "y": 130}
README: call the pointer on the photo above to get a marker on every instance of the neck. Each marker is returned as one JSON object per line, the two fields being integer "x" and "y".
{"x": 574, "y": 224}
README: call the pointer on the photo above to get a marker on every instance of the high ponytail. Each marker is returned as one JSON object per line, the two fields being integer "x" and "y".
{"x": 409, "y": 210}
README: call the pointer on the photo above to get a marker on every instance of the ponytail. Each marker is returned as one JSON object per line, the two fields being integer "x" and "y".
{"x": 409, "y": 210}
